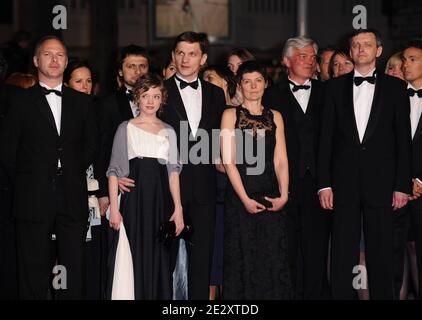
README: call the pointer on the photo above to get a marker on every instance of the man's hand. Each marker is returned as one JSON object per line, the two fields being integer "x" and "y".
{"x": 399, "y": 200}
{"x": 417, "y": 188}
{"x": 104, "y": 202}
{"x": 326, "y": 199}
{"x": 125, "y": 183}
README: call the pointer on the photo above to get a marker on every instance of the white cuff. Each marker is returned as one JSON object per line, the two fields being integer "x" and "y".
{"x": 323, "y": 189}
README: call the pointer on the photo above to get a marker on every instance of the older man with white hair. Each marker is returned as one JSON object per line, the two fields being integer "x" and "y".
{"x": 299, "y": 99}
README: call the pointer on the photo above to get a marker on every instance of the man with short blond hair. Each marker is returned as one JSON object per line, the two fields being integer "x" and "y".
{"x": 49, "y": 142}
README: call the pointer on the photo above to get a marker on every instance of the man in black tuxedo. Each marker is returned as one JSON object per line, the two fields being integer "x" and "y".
{"x": 49, "y": 140}
{"x": 412, "y": 71}
{"x": 113, "y": 110}
{"x": 299, "y": 99}
{"x": 364, "y": 165}
{"x": 194, "y": 105}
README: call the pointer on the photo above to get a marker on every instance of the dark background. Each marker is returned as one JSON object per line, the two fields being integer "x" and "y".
{"x": 96, "y": 29}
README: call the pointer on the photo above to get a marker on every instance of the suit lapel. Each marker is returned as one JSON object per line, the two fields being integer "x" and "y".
{"x": 349, "y": 102}
{"x": 312, "y": 98}
{"x": 65, "y": 121}
{"x": 44, "y": 107}
{"x": 206, "y": 107}
{"x": 292, "y": 98}
{"x": 418, "y": 131}
{"x": 375, "y": 109}
{"x": 179, "y": 107}
{"x": 124, "y": 105}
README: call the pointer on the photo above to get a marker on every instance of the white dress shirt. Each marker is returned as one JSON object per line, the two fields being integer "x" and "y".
{"x": 55, "y": 103}
{"x": 302, "y": 96}
{"x": 133, "y": 106}
{"x": 415, "y": 110}
{"x": 363, "y": 96}
{"x": 192, "y": 100}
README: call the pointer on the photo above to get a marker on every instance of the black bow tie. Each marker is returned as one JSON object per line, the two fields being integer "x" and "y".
{"x": 48, "y": 91}
{"x": 184, "y": 84}
{"x": 412, "y": 92}
{"x": 129, "y": 95}
{"x": 299, "y": 87}
{"x": 359, "y": 80}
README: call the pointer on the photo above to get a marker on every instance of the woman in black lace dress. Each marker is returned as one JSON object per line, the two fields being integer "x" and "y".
{"x": 254, "y": 154}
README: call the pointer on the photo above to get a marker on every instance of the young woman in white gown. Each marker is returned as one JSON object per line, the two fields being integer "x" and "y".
{"x": 144, "y": 150}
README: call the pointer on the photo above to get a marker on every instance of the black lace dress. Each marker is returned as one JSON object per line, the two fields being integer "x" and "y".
{"x": 255, "y": 245}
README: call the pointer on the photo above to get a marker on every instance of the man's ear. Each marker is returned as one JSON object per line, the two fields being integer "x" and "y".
{"x": 379, "y": 51}
{"x": 204, "y": 59}
{"x": 35, "y": 60}
{"x": 286, "y": 62}
{"x": 120, "y": 73}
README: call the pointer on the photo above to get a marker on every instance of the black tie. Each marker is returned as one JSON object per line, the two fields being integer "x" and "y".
{"x": 184, "y": 84}
{"x": 299, "y": 87}
{"x": 359, "y": 80}
{"x": 412, "y": 92}
{"x": 48, "y": 91}
{"x": 129, "y": 95}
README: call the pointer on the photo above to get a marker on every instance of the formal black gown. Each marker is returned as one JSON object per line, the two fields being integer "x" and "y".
{"x": 143, "y": 209}
{"x": 255, "y": 245}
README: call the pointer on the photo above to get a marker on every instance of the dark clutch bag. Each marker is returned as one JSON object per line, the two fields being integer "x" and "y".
{"x": 167, "y": 232}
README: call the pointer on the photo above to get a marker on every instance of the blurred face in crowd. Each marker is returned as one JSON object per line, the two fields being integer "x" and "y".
{"x": 324, "y": 64}
{"x": 150, "y": 101}
{"x": 412, "y": 66}
{"x": 81, "y": 80}
{"x": 213, "y": 77}
{"x": 252, "y": 86}
{"x": 51, "y": 61}
{"x": 301, "y": 64}
{"x": 188, "y": 59}
{"x": 133, "y": 67}
{"x": 233, "y": 63}
{"x": 169, "y": 71}
{"x": 394, "y": 68}
{"x": 364, "y": 50}
{"x": 342, "y": 65}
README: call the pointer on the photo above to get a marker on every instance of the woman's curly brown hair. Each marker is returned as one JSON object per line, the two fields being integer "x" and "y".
{"x": 147, "y": 82}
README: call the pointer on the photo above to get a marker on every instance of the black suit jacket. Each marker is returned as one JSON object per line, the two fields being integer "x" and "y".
{"x": 281, "y": 98}
{"x": 197, "y": 181}
{"x": 372, "y": 170}
{"x": 112, "y": 111}
{"x": 31, "y": 148}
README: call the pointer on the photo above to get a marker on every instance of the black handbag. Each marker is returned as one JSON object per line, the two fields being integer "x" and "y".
{"x": 167, "y": 232}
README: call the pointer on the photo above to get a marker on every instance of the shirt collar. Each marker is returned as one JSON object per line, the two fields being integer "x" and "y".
{"x": 409, "y": 86}
{"x": 180, "y": 77}
{"x": 307, "y": 82}
{"x": 128, "y": 88}
{"x": 58, "y": 88}
{"x": 358, "y": 74}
